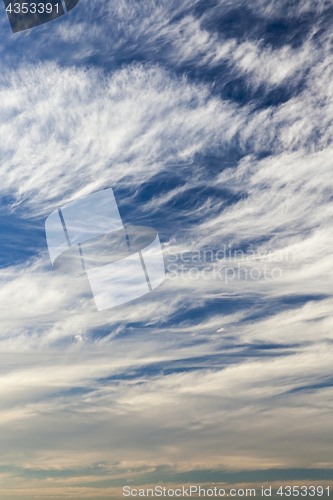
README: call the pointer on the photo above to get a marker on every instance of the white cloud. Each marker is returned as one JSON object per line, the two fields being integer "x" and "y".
{"x": 69, "y": 132}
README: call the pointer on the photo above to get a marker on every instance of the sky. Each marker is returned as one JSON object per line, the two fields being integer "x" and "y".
{"x": 212, "y": 121}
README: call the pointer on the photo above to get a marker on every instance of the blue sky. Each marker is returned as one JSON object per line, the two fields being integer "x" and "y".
{"x": 212, "y": 122}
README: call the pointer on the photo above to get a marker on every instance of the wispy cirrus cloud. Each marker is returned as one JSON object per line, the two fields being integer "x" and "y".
{"x": 92, "y": 131}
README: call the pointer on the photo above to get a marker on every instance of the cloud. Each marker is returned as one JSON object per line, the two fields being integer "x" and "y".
{"x": 238, "y": 369}
{"x": 84, "y": 132}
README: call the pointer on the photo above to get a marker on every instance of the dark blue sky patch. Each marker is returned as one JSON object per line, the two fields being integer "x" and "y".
{"x": 324, "y": 383}
{"x": 183, "y": 209}
{"x": 229, "y": 355}
{"x": 21, "y": 239}
{"x": 282, "y": 28}
{"x": 270, "y": 307}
